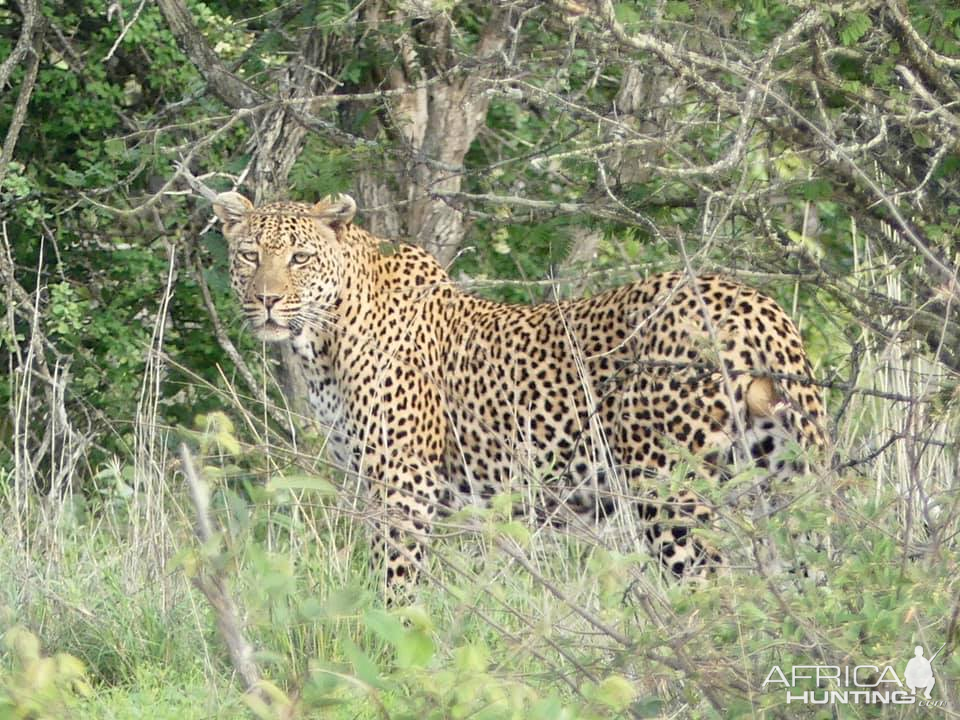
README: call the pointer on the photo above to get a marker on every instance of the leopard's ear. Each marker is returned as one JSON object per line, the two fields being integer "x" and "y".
{"x": 231, "y": 207}
{"x": 336, "y": 209}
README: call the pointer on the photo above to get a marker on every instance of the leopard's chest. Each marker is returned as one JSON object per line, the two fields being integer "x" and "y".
{"x": 326, "y": 398}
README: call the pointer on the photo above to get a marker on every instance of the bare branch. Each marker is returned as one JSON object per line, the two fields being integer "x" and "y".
{"x": 31, "y": 27}
{"x": 898, "y": 9}
{"x": 28, "y": 45}
{"x": 225, "y": 85}
{"x": 124, "y": 28}
{"x": 212, "y": 583}
{"x": 935, "y": 105}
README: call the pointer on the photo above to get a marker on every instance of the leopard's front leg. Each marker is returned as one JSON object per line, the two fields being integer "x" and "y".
{"x": 404, "y": 433}
{"x": 405, "y": 493}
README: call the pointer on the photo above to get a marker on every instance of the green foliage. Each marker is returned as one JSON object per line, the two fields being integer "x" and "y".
{"x": 37, "y": 686}
{"x": 88, "y": 566}
{"x": 330, "y": 644}
{"x": 323, "y": 170}
{"x": 518, "y": 252}
{"x": 855, "y": 26}
{"x": 102, "y": 276}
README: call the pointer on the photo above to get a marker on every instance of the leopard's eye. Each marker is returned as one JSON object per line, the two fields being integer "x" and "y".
{"x": 300, "y": 258}
{"x": 251, "y": 256}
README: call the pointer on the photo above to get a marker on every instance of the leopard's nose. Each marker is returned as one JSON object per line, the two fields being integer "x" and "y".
{"x": 269, "y": 300}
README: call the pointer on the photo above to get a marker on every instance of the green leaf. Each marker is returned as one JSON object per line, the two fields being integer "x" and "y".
{"x": 73, "y": 178}
{"x": 365, "y": 668}
{"x": 679, "y": 10}
{"x": 616, "y": 692}
{"x": 856, "y": 27}
{"x": 921, "y": 139}
{"x": 301, "y": 482}
{"x": 344, "y": 601}
{"x": 550, "y": 708}
{"x": 388, "y": 627}
{"x": 626, "y": 14}
{"x": 311, "y": 609}
{"x": 516, "y": 531}
{"x": 650, "y": 706}
{"x": 115, "y": 148}
{"x": 502, "y": 504}
{"x": 417, "y": 616}
{"x": 753, "y": 614}
{"x": 23, "y": 642}
{"x": 813, "y": 190}
{"x": 472, "y": 658}
{"x": 415, "y": 649}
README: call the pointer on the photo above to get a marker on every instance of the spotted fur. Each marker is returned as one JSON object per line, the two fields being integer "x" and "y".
{"x": 440, "y": 398}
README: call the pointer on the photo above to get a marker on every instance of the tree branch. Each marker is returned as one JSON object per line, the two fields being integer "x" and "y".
{"x": 28, "y": 45}
{"x": 224, "y": 84}
{"x": 31, "y": 26}
{"x": 212, "y": 583}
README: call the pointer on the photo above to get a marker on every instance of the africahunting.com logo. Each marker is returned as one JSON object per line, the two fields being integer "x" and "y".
{"x": 860, "y": 684}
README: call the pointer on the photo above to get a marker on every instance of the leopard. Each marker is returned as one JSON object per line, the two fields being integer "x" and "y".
{"x": 439, "y": 398}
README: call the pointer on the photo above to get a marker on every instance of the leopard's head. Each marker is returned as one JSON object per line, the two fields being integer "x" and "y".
{"x": 286, "y": 262}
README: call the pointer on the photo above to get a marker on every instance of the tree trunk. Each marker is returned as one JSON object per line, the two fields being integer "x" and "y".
{"x": 437, "y": 112}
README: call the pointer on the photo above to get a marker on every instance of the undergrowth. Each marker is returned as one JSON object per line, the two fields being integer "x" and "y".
{"x": 100, "y": 618}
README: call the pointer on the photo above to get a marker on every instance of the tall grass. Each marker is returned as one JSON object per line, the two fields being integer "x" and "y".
{"x": 513, "y": 619}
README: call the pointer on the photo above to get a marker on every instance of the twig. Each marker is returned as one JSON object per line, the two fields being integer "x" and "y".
{"x": 212, "y": 583}
{"x": 593, "y": 619}
{"x": 124, "y": 27}
{"x": 899, "y": 12}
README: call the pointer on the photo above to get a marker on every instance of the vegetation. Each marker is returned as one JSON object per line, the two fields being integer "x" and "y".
{"x": 541, "y": 149}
